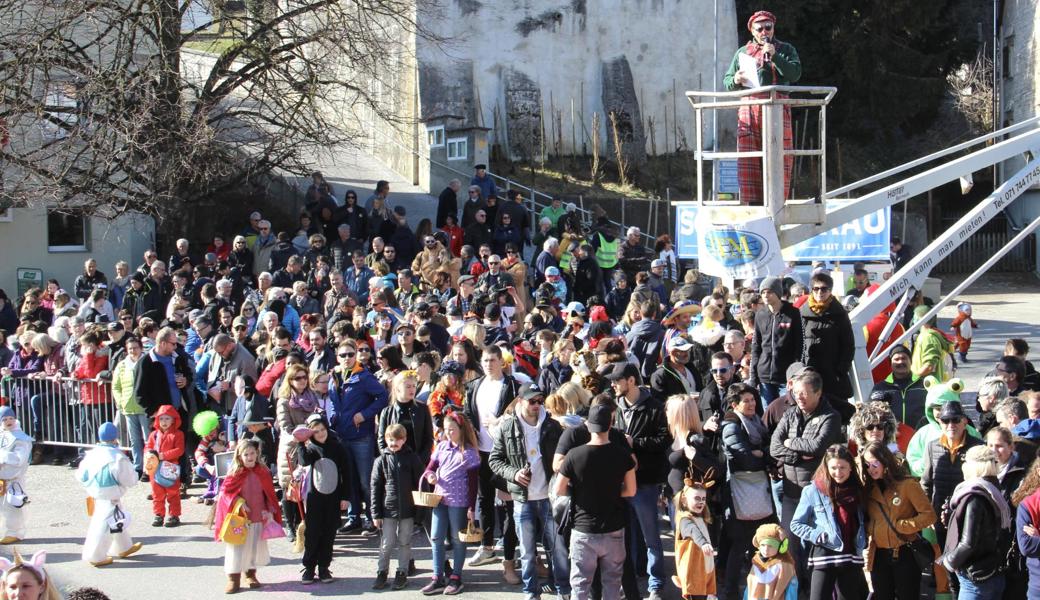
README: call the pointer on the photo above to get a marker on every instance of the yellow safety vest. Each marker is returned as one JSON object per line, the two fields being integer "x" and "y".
{"x": 606, "y": 254}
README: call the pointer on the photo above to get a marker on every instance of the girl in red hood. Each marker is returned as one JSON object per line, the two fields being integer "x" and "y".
{"x": 165, "y": 447}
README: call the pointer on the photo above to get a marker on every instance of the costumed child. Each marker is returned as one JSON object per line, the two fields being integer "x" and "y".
{"x": 448, "y": 395}
{"x": 251, "y": 419}
{"x": 559, "y": 285}
{"x": 162, "y": 455}
{"x": 395, "y": 476}
{"x": 15, "y": 452}
{"x": 249, "y": 481}
{"x": 23, "y": 579}
{"x": 325, "y": 495}
{"x": 772, "y": 574}
{"x": 694, "y": 552}
{"x": 213, "y": 440}
{"x": 106, "y": 474}
{"x": 963, "y": 326}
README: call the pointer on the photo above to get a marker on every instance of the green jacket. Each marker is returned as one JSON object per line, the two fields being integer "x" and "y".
{"x": 552, "y": 214}
{"x": 931, "y": 347}
{"x": 123, "y": 388}
{"x": 788, "y": 67}
{"x": 917, "y": 450}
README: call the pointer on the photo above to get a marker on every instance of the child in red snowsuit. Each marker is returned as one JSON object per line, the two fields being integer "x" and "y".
{"x": 166, "y": 443}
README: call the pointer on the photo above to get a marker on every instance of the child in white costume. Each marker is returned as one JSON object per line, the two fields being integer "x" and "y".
{"x": 107, "y": 474}
{"x": 15, "y": 450}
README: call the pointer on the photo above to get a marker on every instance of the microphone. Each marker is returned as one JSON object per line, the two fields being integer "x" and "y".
{"x": 766, "y": 56}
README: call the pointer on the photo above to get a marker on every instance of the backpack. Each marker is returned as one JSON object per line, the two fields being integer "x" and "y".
{"x": 324, "y": 474}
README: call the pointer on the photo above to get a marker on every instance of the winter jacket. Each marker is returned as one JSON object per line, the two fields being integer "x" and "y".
{"x": 907, "y": 398}
{"x": 931, "y": 348}
{"x": 776, "y": 343}
{"x": 646, "y": 423}
{"x": 92, "y": 392}
{"x": 1028, "y": 513}
{"x": 358, "y": 392}
{"x": 280, "y": 256}
{"x": 942, "y": 472}
{"x": 287, "y": 419}
{"x": 85, "y": 284}
{"x": 617, "y": 301}
{"x": 588, "y": 279}
{"x": 221, "y": 369}
{"x": 123, "y": 388}
{"x": 815, "y": 517}
{"x": 917, "y": 451}
{"x": 420, "y": 438}
{"x": 977, "y": 551}
{"x": 509, "y": 455}
{"x": 434, "y": 259}
{"x": 907, "y": 507}
{"x": 262, "y": 250}
{"x": 169, "y": 444}
{"x": 829, "y": 347}
{"x": 553, "y": 375}
{"x": 738, "y": 447}
{"x": 809, "y": 435}
{"x": 645, "y": 341}
{"x": 666, "y": 381}
{"x": 25, "y": 364}
{"x": 151, "y": 389}
{"x": 395, "y": 475}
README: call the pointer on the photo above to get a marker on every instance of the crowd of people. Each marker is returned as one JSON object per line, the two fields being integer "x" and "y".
{"x": 549, "y": 415}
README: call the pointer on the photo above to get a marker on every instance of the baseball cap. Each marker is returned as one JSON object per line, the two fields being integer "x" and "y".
{"x": 575, "y": 307}
{"x": 680, "y": 343}
{"x": 623, "y": 370}
{"x": 599, "y": 418}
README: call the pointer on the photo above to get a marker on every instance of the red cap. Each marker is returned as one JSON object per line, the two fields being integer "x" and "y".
{"x": 762, "y": 15}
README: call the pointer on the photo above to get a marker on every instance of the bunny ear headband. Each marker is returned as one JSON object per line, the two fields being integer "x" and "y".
{"x": 35, "y": 563}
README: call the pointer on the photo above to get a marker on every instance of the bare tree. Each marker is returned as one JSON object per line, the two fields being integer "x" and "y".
{"x": 108, "y": 114}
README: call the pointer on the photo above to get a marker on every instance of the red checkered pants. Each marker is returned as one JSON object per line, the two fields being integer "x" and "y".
{"x": 749, "y": 139}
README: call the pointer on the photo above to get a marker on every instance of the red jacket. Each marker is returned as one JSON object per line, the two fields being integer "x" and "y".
{"x": 92, "y": 392}
{"x": 270, "y": 376}
{"x": 454, "y": 239}
{"x": 169, "y": 444}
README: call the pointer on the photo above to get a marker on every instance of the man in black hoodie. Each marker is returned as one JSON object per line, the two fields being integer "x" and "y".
{"x": 777, "y": 341}
{"x": 642, "y": 420}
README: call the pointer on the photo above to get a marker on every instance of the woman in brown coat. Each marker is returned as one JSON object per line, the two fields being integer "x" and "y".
{"x": 892, "y": 493}
{"x": 517, "y": 269}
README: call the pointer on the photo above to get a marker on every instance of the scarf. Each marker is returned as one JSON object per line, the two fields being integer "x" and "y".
{"x": 846, "y": 503}
{"x": 754, "y": 50}
{"x": 306, "y": 401}
{"x": 755, "y": 428}
{"x": 819, "y": 307}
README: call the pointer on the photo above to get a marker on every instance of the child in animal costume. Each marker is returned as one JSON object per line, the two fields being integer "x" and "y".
{"x": 962, "y": 327}
{"x": 163, "y": 452}
{"x": 694, "y": 552}
{"x": 772, "y": 574}
{"x": 15, "y": 451}
{"x": 107, "y": 474}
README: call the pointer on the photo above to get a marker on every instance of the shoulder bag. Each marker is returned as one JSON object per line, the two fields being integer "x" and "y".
{"x": 921, "y": 548}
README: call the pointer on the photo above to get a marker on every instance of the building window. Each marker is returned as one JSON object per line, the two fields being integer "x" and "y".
{"x": 458, "y": 149}
{"x": 66, "y": 233}
{"x": 435, "y": 136}
{"x": 6, "y": 214}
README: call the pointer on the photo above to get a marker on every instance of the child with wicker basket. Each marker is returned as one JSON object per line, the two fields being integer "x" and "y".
{"x": 453, "y": 472}
{"x": 394, "y": 477}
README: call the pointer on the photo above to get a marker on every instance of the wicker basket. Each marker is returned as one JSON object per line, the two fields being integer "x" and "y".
{"x": 471, "y": 534}
{"x": 427, "y": 499}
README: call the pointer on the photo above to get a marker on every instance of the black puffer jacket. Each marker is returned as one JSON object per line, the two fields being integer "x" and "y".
{"x": 645, "y": 421}
{"x": 829, "y": 347}
{"x": 394, "y": 476}
{"x": 809, "y": 436}
{"x": 666, "y": 381}
{"x": 738, "y": 447}
{"x": 777, "y": 343}
{"x": 980, "y": 547}
{"x": 420, "y": 435}
{"x": 941, "y": 472}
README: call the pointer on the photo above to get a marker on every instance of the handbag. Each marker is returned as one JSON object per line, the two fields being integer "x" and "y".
{"x": 233, "y": 529}
{"x": 921, "y": 548}
{"x": 15, "y": 495}
{"x": 752, "y": 498}
{"x": 294, "y": 491}
{"x": 168, "y": 474}
{"x": 272, "y": 530}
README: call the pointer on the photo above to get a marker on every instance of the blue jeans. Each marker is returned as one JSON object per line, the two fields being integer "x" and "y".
{"x": 360, "y": 454}
{"x": 137, "y": 427}
{"x": 448, "y": 520}
{"x": 778, "y": 496}
{"x": 770, "y": 392}
{"x": 530, "y": 518}
{"x": 643, "y": 510}
{"x": 991, "y": 589}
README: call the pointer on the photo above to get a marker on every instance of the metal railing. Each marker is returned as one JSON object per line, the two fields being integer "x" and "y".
{"x": 773, "y": 151}
{"x": 534, "y": 199}
{"x": 63, "y": 411}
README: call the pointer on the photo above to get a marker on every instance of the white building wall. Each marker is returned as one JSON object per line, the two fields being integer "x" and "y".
{"x": 1020, "y": 97}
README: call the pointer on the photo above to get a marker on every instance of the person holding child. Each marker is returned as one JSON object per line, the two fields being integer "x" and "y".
{"x": 395, "y": 476}
{"x": 249, "y": 480}
{"x": 453, "y": 472}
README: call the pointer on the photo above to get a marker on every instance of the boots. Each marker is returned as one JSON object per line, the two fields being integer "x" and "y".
{"x": 234, "y": 583}
{"x": 250, "y": 580}
{"x": 509, "y": 572}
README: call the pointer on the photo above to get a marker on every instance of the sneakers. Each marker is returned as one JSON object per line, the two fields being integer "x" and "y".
{"x": 370, "y": 530}
{"x": 157, "y": 521}
{"x": 290, "y": 534}
{"x": 308, "y": 576}
{"x": 434, "y": 587}
{"x": 380, "y": 581}
{"x": 324, "y": 575}
{"x": 412, "y": 569}
{"x": 483, "y": 556}
{"x": 454, "y": 586}
{"x": 350, "y": 527}
{"x": 173, "y": 521}
{"x": 400, "y": 580}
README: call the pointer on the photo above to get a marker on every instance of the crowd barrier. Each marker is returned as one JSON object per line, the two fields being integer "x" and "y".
{"x": 62, "y": 411}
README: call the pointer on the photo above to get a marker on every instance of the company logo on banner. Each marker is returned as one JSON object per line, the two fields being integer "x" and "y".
{"x": 744, "y": 250}
{"x": 864, "y": 239}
